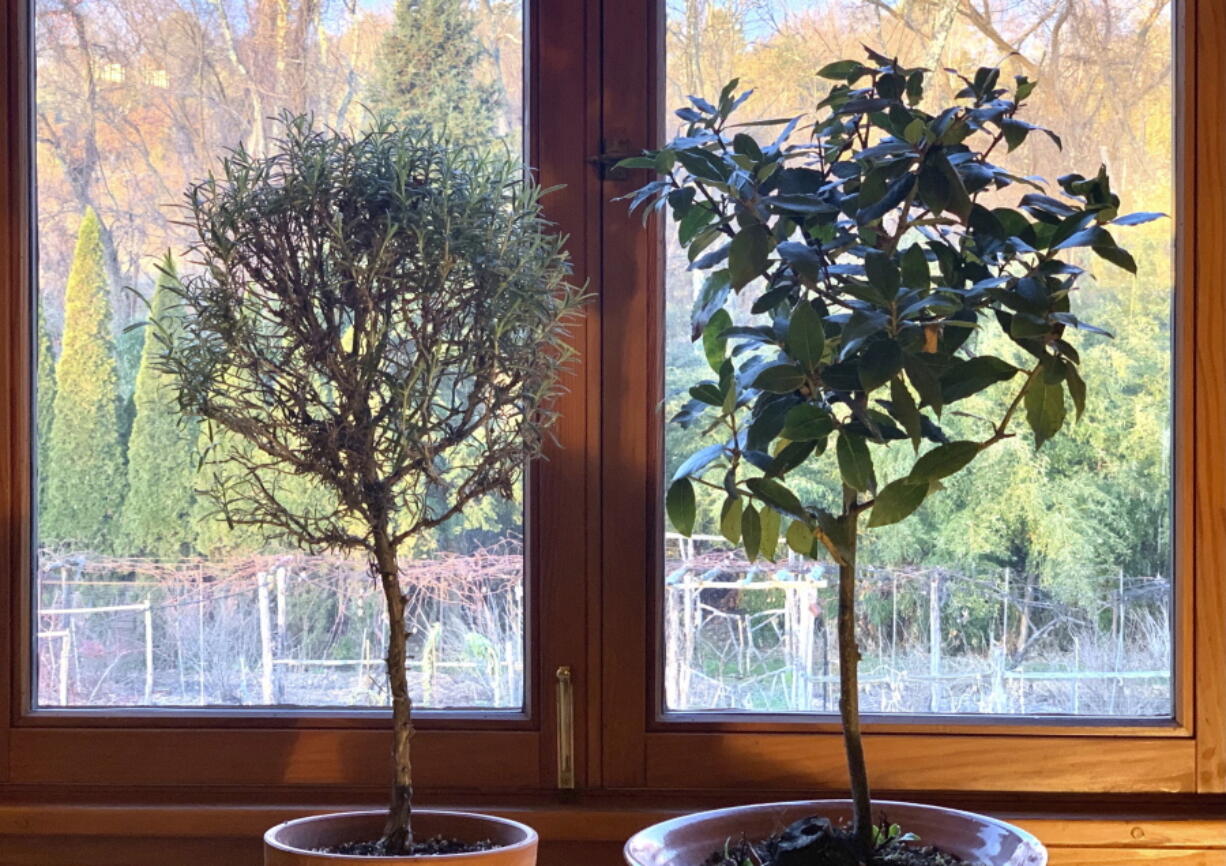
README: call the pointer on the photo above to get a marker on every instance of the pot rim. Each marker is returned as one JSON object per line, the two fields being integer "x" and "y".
{"x": 818, "y": 805}
{"x": 530, "y": 837}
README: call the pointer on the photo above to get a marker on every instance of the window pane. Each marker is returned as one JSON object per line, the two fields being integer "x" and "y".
{"x": 144, "y": 596}
{"x": 1036, "y": 583}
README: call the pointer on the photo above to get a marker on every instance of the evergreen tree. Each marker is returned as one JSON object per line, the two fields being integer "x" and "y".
{"x": 433, "y": 71}
{"x": 162, "y": 447}
{"x": 85, "y": 471}
{"x": 44, "y": 407}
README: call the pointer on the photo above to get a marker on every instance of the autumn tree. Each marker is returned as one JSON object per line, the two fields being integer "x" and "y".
{"x": 85, "y": 470}
{"x": 161, "y": 449}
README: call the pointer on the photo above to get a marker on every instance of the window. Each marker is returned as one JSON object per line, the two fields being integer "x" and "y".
{"x": 145, "y": 595}
{"x": 1037, "y": 583}
{"x": 281, "y": 701}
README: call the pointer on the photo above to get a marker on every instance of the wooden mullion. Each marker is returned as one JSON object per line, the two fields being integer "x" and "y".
{"x": 631, "y": 315}
{"x": 1204, "y": 152}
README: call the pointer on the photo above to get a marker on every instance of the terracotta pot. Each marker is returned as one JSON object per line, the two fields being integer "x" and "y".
{"x": 689, "y": 840}
{"x": 294, "y": 842}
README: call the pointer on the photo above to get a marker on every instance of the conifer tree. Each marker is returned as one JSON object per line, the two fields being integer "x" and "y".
{"x": 432, "y": 70}
{"x": 162, "y": 446}
{"x": 85, "y": 471}
{"x": 44, "y": 407}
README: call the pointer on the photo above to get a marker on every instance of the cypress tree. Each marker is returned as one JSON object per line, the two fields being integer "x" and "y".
{"x": 44, "y": 406}
{"x": 85, "y": 471}
{"x": 432, "y": 70}
{"x": 162, "y": 446}
{"x": 213, "y": 535}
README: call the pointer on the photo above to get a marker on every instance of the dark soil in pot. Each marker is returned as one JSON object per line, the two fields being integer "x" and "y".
{"x": 423, "y": 847}
{"x": 816, "y": 842}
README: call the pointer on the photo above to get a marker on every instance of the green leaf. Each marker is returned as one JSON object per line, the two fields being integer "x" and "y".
{"x": 748, "y": 256}
{"x": 714, "y": 343}
{"x": 1076, "y": 388}
{"x": 933, "y": 189}
{"x": 883, "y": 274}
{"x": 972, "y": 376}
{"x": 751, "y": 532}
{"x": 746, "y": 144}
{"x": 730, "y": 519}
{"x": 779, "y": 379}
{"x": 915, "y": 274}
{"x": 665, "y": 160}
{"x": 879, "y": 364}
{"x": 695, "y": 220}
{"x": 1136, "y": 219}
{"x": 897, "y": 500}
{"x": 792, "y": 455}
{"x": 855, "y": 462}
{"x": 704, "y": 165}
{"x": 636, "y": 162}
{"x": 776, "y": 496}
{"x": 1015, "y": 132}
{"x": 801, "y": 539}
{"x": 806, "y": 339}
{"x": 944, "y": 460}
{"x": 941, "y": 188}
{"x": 806, "y": 422}
{"x": 1118, "y": 256}
{"x": 699, "y": 460}
{"x": 681, "y": 505}
{"x": 925, "y": 382}
{"x": 842, "y": 70}
{"x": 903, "y": 408}
{"x": 707, "y": 392}
{"x": 770, "y": 522}
{"x": 714, "y": 293}
{"x": 1044, "y": 409}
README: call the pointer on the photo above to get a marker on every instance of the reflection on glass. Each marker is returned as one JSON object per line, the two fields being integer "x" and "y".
{"x": 1009, "y": 593}
{"x": 144, "y": 596}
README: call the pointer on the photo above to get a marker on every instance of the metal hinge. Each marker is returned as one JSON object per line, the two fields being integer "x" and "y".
{"x": 613, "y": 151}
{"x": 566, "y": 729}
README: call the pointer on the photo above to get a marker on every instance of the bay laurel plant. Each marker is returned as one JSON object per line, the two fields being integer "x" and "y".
{"x": 850, "y": 279}
{"x": 382, "y": 316}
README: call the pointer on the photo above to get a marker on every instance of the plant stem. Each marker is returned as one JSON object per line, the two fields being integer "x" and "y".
{"x": 849, "y": 685}
{"x": 398, "y": 831}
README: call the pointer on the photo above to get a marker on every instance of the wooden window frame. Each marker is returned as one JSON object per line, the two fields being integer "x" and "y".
{"x": 648, "y": 748}
{"x": 593, "y": 78}
{"x": 293, "y": 750}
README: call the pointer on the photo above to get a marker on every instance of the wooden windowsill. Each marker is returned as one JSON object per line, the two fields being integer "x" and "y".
{"x": 1200, "y": 829}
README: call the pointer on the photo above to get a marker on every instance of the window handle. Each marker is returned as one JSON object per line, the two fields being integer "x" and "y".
{"x": 612, "y": 152}
{"x": 566, "y": 729}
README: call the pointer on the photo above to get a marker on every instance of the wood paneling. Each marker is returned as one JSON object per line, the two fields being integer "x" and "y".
{"x": 442, "y": 759}
{"x": 1142, "y": 857}
{"x": 813, "y": 762}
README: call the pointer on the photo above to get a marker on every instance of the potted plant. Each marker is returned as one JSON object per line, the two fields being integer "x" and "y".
{"x": 847, "y": 279}
{"x": 383, "y": 315}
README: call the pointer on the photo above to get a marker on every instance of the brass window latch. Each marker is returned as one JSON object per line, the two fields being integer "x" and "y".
{"x": 566, "y": 729}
